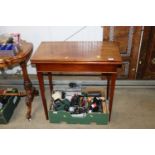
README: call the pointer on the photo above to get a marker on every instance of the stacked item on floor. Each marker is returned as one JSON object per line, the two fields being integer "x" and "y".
{"x": 8, "y": 105}
{"x": 79, "y": 108}
{"x": 9, "y": 45}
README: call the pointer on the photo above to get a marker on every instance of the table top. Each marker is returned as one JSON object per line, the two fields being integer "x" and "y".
{"x": 77, "y": 52}
{"x": 24, "y": 55}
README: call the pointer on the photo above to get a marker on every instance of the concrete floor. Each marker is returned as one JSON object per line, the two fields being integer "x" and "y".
{"x": 132, "y": 108}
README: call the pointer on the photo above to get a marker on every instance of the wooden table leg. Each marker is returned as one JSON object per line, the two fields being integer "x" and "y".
{"x": 30, "y": 90}
{"x": 108, "y": 84}
{"x": 50, "y": 82}
{"x": 108, "y": 76}
{"x": 42, "y": 91}
{"x": 111, "y": 93}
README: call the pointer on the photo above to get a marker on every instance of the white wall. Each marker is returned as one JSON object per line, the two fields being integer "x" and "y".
{"x": 36, "y": 34}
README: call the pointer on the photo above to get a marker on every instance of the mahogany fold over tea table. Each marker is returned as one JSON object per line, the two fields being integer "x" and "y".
{"x": 96, "y": 56}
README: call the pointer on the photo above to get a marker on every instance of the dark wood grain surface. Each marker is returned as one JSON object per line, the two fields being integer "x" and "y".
{"x": 77, "y": 52}
{"x": 128, "y": 39}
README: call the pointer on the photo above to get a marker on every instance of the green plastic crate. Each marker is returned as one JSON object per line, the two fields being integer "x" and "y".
{"x": 94, "y": 117}
{"x": 63, "y": 116}
{"x": 8, "y": 109}
{"x": 88, "y": 118}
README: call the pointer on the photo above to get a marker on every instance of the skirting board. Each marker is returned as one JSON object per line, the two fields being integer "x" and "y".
{"x": 119, "y": 83}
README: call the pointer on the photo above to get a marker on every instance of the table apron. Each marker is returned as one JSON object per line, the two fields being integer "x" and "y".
{"x": 76, "y": 68}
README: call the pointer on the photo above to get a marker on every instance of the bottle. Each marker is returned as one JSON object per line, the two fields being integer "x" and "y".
{"x": 1, "y": 105}
{"x": 94, "y": 105}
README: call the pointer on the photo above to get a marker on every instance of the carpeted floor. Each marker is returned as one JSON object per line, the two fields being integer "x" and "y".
{"x": 132, "y": 108}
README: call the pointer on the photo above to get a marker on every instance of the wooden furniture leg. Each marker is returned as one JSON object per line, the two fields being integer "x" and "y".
{"x": 111, "y": 93}
{"x": 108, "y": 84}
{"x": 42, "y": 91}
{"x": 30, "y": 90}
{"x": 50, "y": 82}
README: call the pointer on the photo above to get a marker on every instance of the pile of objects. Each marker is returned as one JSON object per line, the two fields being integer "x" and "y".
{"x": 79, "y": 103}
{"x": 8, "y": 104}
{"x": 9, "y": 44}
